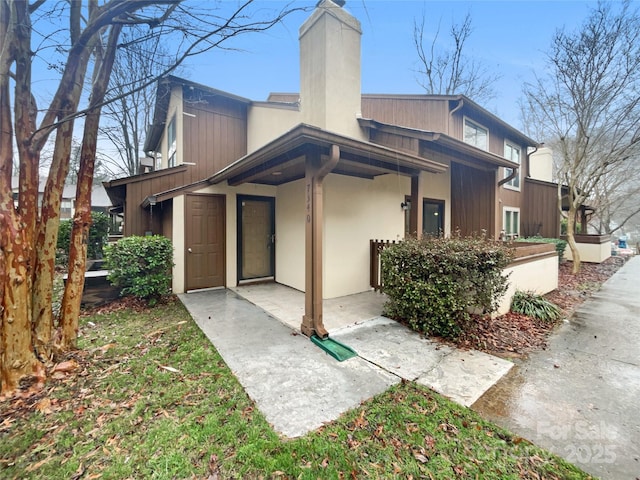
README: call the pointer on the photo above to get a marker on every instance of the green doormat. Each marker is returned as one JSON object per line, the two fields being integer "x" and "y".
{"x": 337, "y": 350}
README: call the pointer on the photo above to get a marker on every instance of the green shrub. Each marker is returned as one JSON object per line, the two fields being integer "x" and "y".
{"x": 435, "y": 283}
{"x": 561, "y": 245}
{"x": 64, "y": 240}
{"x": 98, "y": 237}
{"x": 98, "y": 234}
{"x": 141, "y": 266}
{"x": 536, "y": 306}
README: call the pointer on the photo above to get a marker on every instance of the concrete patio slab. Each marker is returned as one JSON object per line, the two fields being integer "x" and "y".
{"x": 386, "y": 343}
{"x": 287, "y": 305}
{"x": 462, "y": 376}
{"x": 297, "y": 386}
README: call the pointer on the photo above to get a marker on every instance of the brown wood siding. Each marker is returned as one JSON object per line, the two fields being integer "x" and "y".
{"x": 472, "y": 200}
{"x": 139, "y": 221}
{"x": 510, "y": 198}
{"x": 167, "y": 218}
{"x": 214, "y": 137}
{"x": 424, "y": 114}
{"x": 539, "y": 212}
{"x": 398, "y": 142}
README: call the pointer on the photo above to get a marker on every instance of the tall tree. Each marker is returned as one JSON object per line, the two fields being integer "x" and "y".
{"x": 588, "y": 104}
{"x": 139, "y": 58}
{"x": 449, "y": 71}
{"x": 79, "y": 42}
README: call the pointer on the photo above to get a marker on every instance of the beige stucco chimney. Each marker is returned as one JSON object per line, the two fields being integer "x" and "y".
{"x": 541, "y": 164}
{"x": 330, "y": 96}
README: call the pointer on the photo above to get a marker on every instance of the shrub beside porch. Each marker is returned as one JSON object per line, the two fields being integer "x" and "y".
{"x": 534, "y": 268}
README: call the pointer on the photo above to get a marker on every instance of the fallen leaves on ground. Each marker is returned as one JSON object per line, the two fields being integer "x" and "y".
{"x": 574, "y": 289}
{"x": 516, "y": 335}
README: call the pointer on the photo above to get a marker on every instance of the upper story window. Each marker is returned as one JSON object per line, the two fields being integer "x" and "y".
{"x": 511, "y": 152}
{"x": 171, "y": 143}
{"x": 476, "y": 135}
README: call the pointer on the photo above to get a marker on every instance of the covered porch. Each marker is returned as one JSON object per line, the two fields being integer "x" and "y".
{"x": 319, "y": 223}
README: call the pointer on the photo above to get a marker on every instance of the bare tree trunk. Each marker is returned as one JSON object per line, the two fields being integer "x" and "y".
{"x": 571, "y": 239}
{"x": 72, "y": 298}
{"x": 17, "y": 360}
{"x": 47, "y": 239}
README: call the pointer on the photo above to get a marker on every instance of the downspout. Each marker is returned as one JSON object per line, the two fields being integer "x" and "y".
{"x": 513, "y": 175}
{"x": 326, "y": 168}
{"x": 535, "y": 149}
{"x": 515, "y": 171}
{"x": 312, "y": 323}
{"x": 454, "y": 110}
{"x": 323, "y": 171}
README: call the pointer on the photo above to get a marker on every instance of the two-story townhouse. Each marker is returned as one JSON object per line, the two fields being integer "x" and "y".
{"x": 293, "y": 189}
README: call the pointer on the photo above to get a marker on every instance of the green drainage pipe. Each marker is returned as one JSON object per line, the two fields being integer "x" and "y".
{"x": 337, "y": 350}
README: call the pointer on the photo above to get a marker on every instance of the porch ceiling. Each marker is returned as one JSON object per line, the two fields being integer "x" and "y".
{"x": 283, "y": 160}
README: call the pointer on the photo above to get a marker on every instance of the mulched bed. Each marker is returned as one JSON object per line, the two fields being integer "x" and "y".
{"x": 510, "y": 335}
{"x": 515, "y": 335}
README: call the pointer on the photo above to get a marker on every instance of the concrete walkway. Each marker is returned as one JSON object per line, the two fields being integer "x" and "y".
{"x": 298, "y": 387}
{"x": 580, "y": 398}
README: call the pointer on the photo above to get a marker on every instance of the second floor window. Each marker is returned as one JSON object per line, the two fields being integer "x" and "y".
{"x": 171, "y": 143}
{"x": 511, "y": 152}
{"x": 476, "y": 135}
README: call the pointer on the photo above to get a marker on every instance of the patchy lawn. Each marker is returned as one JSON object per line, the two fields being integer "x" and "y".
{"x": 147, "y": 396}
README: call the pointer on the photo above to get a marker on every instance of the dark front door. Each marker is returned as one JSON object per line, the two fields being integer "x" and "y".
{"x": 205, "y": 241}
{"x": 256, "y": 237}
{"x": 432, "y": 217}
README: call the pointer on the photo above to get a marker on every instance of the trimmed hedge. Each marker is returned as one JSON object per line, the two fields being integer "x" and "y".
{"x": 141, "y": 266}
{"x": 561, "y": 245}
{"x": 434, "y": 284}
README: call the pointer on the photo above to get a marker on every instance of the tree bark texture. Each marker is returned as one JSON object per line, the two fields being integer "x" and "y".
{"x": 71, "y": 301}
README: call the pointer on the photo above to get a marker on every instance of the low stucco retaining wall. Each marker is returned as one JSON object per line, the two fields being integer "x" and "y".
{"x": 534, "y": 269}
{"x": 592, "y": 248}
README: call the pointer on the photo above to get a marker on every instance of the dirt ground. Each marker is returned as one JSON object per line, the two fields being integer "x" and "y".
{"x": 515, "y": 335}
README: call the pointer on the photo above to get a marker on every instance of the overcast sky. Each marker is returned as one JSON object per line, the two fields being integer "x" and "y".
{"x": 510, "y": 37}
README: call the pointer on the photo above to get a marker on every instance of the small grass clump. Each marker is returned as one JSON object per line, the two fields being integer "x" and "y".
{"x": 536, "y": 306}
{"x": 152, "y": 398}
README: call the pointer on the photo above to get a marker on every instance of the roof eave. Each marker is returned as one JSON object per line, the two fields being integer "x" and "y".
{"x": 307, "y": 134}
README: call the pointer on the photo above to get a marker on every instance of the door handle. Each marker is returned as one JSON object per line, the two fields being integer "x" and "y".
{"x": 189, "y": 250}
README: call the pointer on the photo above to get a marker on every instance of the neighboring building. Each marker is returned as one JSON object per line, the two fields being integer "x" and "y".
{"x": 100, "y": 201}
{"x": 295, "y": 187}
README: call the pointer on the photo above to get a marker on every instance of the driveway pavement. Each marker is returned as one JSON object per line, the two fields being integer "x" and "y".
{"x": 298, "y": 387}
{"x": 580, "y": 398}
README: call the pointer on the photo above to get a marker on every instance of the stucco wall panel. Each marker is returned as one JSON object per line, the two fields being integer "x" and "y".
{"x": 357, "y": 210}
{"x": 290, "y": 235}
{"x": 539, "y": 276}
{"x": 590, "y": 252}
{"x": 267, "y": 122}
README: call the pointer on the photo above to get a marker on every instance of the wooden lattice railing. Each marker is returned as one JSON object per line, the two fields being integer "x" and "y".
{"x": 375, "y": 275}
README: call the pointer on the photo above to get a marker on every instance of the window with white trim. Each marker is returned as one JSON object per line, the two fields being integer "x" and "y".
{"x": 171, "y": 143}
{"x": 511, "y": 152}
{"x": 511, "y": 222}
{"x": 476, "y": 135}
